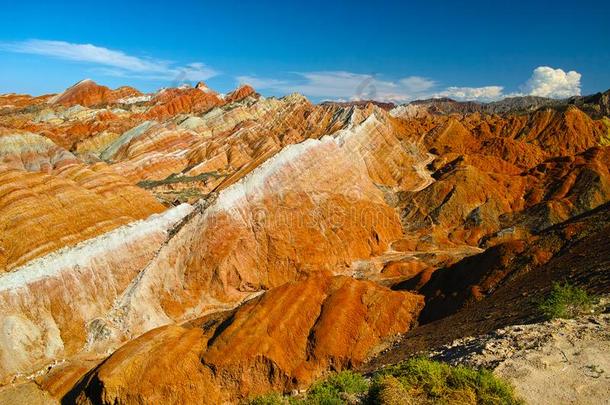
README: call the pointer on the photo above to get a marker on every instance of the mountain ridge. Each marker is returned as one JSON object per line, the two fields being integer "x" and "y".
{"x": 223, "y": 208}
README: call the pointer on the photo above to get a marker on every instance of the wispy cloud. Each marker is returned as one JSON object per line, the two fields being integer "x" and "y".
{"x": 112, "y": 62}
{"x": 417, "y": 84}
{"x": 341, "y": 85}
{"x": 545, "y": 81}
{"x": 344, "y": 85}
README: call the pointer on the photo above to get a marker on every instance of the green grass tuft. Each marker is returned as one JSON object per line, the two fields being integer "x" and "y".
{"x": 413, "y": 381}
{"x": 273, "y": 398}
{"x": 336, "y": 388}
{"x": 566, "y": 301}
{"x": 426, "y": 381}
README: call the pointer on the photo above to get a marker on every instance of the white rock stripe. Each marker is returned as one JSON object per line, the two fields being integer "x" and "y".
{"x": 82, "y": 253}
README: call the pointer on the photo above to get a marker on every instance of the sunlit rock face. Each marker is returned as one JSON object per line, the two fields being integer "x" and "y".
{"x": 50, "y": 199}
{"x": 291, "y": 217}
{"x": 31, "y": 152}
{"x": 171, "y": 102}
{"x": 299, "y": 202}
{"x": 240, "y": 93}
{"x": 49, "y": 307}
{"x": 87, "y": 93}
{"x": 281, "y": 340}
{"x": 40, "y": 213}
{"x": 210, "y": 223}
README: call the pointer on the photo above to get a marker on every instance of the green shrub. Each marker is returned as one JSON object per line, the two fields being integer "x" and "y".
{"x": 348, "y": 382}
{"x": 413, "y": 381}
{"x": 429, "y": 381}
{"x": 388, "y": 390}
{"x": 336, "y": 388}
{"x": 566, "y": 301}
{"x": 273, "y": 398}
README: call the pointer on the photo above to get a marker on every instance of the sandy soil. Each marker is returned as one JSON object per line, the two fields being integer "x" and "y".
{"x": 25, "y": 394}
{"x": 555, "y": 362}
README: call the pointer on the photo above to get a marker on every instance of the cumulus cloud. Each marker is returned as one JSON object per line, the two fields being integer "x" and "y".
{"x": 486, "y": 93}
{"x": 555, "y": 83}
{"x": 336, "y": 85}
{"x": 112, "y": 62}
{"x": 341, "y": 85}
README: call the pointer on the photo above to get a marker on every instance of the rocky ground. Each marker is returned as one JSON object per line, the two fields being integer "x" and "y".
{"x": 563, "y": 361}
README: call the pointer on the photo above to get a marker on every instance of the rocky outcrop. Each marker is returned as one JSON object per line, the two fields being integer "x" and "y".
{"x": 215, "y": 259}
{"x": 595, "y": 105}
{"x": 493, "y": 179}
{"x": 240, "y": 93}
{"x": 87, "y": 93}
{"x": 281, "y": 340}
{"x": 72, "y": 204}
{"x": 170, "y": 102}
{"x": 49, "y": 307}
{"x": 555, "y": 362}
{"x": 478, "y": 276}
{"x": 283, "y": 220}
{"x": 32, "y": 152}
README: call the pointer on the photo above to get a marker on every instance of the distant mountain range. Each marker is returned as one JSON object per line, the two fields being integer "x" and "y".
{"x": 596, "y": 105}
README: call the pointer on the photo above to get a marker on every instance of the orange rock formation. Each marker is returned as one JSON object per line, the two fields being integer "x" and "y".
{"x": 275, "y": 341}
{"x": 296, "y": 218}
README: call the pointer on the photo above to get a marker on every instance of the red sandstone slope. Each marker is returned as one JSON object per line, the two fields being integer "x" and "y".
{"x": 284, "y": 192}
{"x": 240, "y": 93}
{"x": 87, "y": 93}
{"x": 175, "y": 101}
{"x": 56, "y": 210}
{"x": 275, "y": 341}
{"x": 504, "y": 285}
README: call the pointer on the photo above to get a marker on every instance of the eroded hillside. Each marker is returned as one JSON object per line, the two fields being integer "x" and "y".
{"x": 188, "y": 246}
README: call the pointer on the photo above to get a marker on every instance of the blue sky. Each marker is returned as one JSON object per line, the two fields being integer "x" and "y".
{"x": 327, "y": 50}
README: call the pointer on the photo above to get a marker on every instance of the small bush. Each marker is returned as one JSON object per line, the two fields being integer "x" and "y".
{"x": 413, "y": 381}
{"x": 272, "y": 398}
{"x": 566, "y": 301}
{"x": 336, "y": 388}
{"x": 348, "y": 382}
{"x": 388, "y": 390}
{"x": 433, "y": 382}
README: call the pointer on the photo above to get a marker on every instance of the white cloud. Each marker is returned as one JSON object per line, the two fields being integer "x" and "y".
{"x": 545, "y": 81}
{"x": 113, "y": 62}
{"x": 555, "y": 83}
{"x": 417, "y": 84}
{"x": 341, "y": 85}
{"x": 354, "y": 86}
{"x": 487, "y": 93}
{"x": 345, "y": 86}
